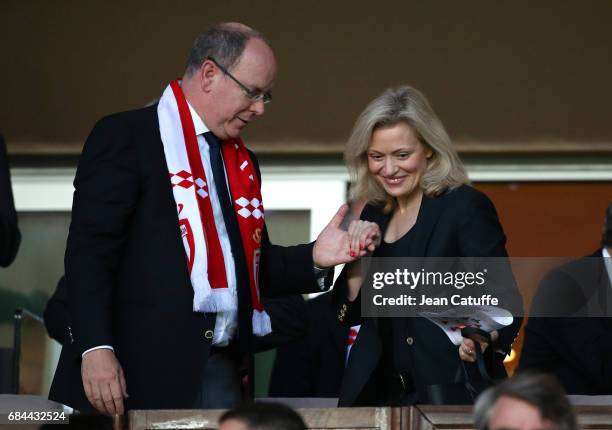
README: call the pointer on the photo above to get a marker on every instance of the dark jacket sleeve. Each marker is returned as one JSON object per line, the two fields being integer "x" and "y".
{"x": 289, "y": 318}
{"x": 9, "y": 233}
{"x": 481, "y": 235}
{"x": 577, "y": 349}
{"x": 287, "y": 269}
{"x": 56, "y": 314}
{"x": 106, "y": 192}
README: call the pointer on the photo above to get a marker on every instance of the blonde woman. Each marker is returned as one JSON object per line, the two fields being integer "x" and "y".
{"x": 402, "y": 162}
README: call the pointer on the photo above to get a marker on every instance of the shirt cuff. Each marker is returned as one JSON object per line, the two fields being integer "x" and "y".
{"x": 321, "y": 276}
{"x": 98, "y": 347}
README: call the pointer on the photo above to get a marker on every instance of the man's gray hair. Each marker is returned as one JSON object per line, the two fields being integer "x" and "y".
{"x": 224, "y": 42}
{"x": 539, "y": 390}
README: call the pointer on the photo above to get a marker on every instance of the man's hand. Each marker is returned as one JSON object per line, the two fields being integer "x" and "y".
{"x": 103, "y": 381}
{"x": 335, "y": 246}
{"x": 332, "y": 245}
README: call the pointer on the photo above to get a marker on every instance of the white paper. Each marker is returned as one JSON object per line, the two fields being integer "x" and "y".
{"x": 451, "y": 321}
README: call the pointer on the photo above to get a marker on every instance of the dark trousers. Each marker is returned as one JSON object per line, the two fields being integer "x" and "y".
{"x": 220, "y": 383}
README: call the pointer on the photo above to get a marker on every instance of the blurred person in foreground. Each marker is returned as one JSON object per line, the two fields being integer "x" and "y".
{"x": 527, "y": 401}
{"x": 402, "y": 161}
{"x": 261, "y": 416}
{"x": 569, "y": 331}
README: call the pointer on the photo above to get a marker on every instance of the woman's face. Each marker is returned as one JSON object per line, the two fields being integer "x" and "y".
{"x": 397, "y": 159}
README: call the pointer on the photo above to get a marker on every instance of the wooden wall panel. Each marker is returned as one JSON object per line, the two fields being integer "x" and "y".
{"x": 549, "y": 219}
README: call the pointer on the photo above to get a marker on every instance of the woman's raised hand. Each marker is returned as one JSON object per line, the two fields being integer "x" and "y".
{"x": 364, "y": 237}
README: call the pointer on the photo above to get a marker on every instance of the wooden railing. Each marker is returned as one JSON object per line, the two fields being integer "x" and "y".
{"x": 422, "y": 417}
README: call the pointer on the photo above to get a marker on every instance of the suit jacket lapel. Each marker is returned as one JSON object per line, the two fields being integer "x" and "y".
{"x": 590, "y": 276}
{"x": 429, "y": 213}
{"x": 602, "y": 282}
{"x": 339, "y": 333}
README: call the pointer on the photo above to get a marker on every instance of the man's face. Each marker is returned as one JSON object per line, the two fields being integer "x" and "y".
{"x": 514, "y": 414}
{"x": 231, "y": 109}
{"x": 232, "y": 424}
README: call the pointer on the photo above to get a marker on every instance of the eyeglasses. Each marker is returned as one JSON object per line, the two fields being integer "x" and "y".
{"x": 254, "y": 95}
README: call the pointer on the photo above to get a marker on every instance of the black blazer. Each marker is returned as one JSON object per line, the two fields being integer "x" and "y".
{"x": 459, "y": 223}
{"x": 57, "y": 316}
{"x": 126, "y": 272}
{"x": 574, "y": 342}
{"x": 312, "y": 365}
{"x": 9, "y": 233}
{"x": 288, "y": 316}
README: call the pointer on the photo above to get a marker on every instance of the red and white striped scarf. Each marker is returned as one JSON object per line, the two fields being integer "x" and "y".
{"x": 205, "y": 260}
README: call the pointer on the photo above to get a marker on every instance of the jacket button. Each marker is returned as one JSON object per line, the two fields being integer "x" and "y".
{"x": 208, "y": 334}
{"x": 409, "y": 340}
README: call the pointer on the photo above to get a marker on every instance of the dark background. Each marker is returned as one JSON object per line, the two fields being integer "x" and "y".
{"x": 511, "y": 73}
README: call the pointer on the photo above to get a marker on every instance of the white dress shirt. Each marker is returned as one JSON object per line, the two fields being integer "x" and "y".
{"x": 227, "y": 322}
{"x": 607, "y": 263}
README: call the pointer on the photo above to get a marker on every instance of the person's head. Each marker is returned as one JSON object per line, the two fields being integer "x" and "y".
{"x": 606, "y": 237}
{"x": 229, "y": 74}
{"x": 398, "y": 146}
{"x": 261, "y": 416}
{"x": 527, "y": 401}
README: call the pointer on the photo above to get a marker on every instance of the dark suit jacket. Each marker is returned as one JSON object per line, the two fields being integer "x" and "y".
{"x": 289, "y": 321}
{"x": 288, "y": 315}
{"x": 574, "y": 342}
{"x": 9, "y": 233}
{"x": 126, "y": 271}
{"x": 313, "y": 365}
{"x": 459, "y": 223}
{"x": 57, "y": 315}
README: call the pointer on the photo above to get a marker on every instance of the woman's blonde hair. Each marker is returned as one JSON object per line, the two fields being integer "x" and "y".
{"x": 402, "y": 105}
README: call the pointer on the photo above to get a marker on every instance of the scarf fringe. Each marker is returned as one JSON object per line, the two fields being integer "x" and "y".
{"x": 215, "y": 301}
{"x": 261, "y": 323}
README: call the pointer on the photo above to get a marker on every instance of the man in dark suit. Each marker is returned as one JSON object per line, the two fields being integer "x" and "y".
{"x": 569, "y": 331}
{"x": 162, "y": 265}
{"x": 9, "y": 233}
